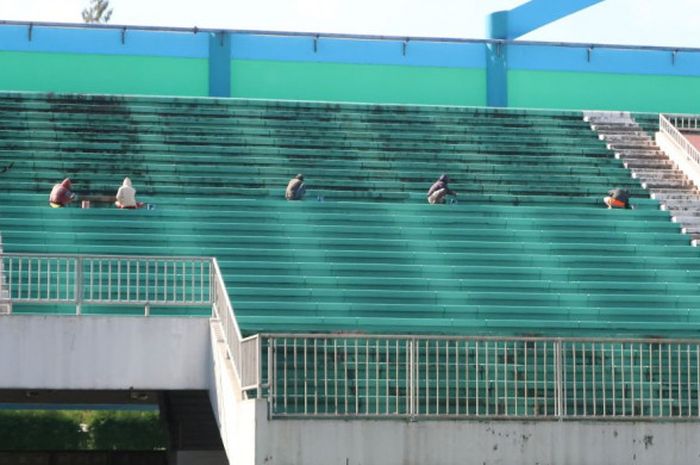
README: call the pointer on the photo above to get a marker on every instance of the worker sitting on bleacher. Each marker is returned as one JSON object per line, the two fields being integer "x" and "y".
{"x": 618, "y": 198}
{"x": 296, "y": 188}
{"x": 439, "y": 190}
{"x": 61, "y": 194}
{"x": 126, "y": 196}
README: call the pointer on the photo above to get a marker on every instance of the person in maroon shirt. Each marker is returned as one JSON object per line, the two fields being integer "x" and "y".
{"x": 439, "y": 190}
{"x": 61, "y": 194}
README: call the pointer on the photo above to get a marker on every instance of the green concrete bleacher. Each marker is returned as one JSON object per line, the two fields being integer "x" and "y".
{"x": 649, "y": 122}
{"x": 526, "y": 250}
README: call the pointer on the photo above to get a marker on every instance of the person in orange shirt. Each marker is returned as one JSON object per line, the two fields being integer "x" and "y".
{"x": 618, "y": 198}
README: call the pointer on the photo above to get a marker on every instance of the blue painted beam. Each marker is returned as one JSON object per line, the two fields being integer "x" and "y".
{"x": 220, "y": 64}
{"x": 532, "y": 15}
{"x": 509, "y": 25}
{"x": 496, "y": 75}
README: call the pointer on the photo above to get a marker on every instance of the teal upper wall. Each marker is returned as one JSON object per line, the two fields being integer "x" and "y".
{"x": 344, "y": 68}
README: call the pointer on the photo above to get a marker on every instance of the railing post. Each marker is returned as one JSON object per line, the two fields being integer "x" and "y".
{"x": 258, "y": 366}
{"x": 270, "y": 372}
{"x": 213, "y": 289}
{"x": 78, "y": 285}
{"x": 413, "y": 401}
{"x": 560, "y": 380}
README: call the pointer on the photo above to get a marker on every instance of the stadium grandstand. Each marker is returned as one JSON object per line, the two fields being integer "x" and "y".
{"x": 524, "y": 322}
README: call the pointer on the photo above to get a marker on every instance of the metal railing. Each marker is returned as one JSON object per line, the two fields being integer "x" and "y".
{"x": 244, "y": 353}
{"x": 124, "y": 28}
{"x": 689, "y": 123}
{"x": 478, "y": 377}
{"x": 78, "y": 282}
{"x": 98, "y": 280}
{"x": 671, "y": 125}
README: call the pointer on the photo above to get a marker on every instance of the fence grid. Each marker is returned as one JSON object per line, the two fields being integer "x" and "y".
{"x": 673, "y": 125}
{"x": 385, "y": 376}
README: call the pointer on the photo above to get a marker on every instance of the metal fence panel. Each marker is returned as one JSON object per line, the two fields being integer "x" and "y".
{"x": 385, "y": 376}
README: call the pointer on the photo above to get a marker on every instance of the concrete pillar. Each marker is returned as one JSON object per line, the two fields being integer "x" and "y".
{"x": 497, "y": 61}
{"x": 509, "y": 25}
{"x": 220, "y": 64}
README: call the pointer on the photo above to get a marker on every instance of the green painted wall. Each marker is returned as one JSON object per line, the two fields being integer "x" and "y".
{"x": 110, "y": 74}
{"x": 603, "y": 91}
{"x": 357, "y": 83}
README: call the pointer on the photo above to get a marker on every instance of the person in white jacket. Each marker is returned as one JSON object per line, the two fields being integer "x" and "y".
{"x": 126, "y": 196}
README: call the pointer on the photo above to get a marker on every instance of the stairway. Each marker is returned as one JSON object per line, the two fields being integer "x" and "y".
{"x": 655, "y": 171}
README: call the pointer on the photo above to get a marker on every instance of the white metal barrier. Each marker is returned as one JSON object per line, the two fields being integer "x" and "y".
{"x": 671, "y": 125}
{"x": 244, "y": 353}
{"x": 477, "y": 377}
{"x": 79, "y": 281}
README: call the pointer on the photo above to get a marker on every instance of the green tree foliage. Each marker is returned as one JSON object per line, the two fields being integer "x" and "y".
{"x": 98, "y": 12}
{"x": 22, "y": 430}
{"x": 127, "y": 431}
{"x": 33, "y": 430}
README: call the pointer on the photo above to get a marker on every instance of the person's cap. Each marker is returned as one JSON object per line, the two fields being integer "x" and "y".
{"x": 444, "y": 177}
{"x": 300, "y": 177}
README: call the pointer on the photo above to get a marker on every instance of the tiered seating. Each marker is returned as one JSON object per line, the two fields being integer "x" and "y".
{"x": 648, "y": 121}
{"x": 527, "y": 250}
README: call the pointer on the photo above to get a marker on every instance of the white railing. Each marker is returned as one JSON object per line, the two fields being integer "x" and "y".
{"x": 671, "y": 126}
{"x": 477, "y": 377}
{"x": 689, "y": 123}
{"x": 97, "y": 280}
{"x": 75, "y": 283}
{"x": 244, "y": 353}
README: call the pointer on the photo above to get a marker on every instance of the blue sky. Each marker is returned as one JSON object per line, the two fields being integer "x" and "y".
{"x": 640, "y": 22}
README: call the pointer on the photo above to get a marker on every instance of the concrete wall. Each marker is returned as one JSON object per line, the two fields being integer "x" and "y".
{"x": 596, "y": 78}
{"x": 99, "y": 352}
{"x": 322, "y": 442}
{"x": 236, "y": 418}
{"x": 356, "y": 69}
{"x": 378, "y": 71}
{"x": 98, "y": 61}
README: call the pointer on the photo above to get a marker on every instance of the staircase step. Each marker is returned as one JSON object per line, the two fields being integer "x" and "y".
{"x": 637, "y": 164}
{"x": 643, "y": 153}
{"x": 625, "y": 138}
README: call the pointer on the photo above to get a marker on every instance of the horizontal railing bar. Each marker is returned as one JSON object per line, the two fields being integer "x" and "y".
{"x": 432, "y": 417}
{"x": 109, "y": 257}
{"x": 401, "y": 337}
{"x": 320, "y": 35}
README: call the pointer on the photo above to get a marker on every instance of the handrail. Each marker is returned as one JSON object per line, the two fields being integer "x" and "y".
{"x": 330, "y": 35}
{"x": 667, "y": 125}
{"x": 476, "y": 337}
{"x": 238, "y": 348}
{"x": 81, "y": 280}
{"x": 341, "y": 376}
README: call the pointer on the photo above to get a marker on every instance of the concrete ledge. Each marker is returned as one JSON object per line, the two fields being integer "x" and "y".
{"x": 397, "y": 442}
{"x": 102, "y": 352}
